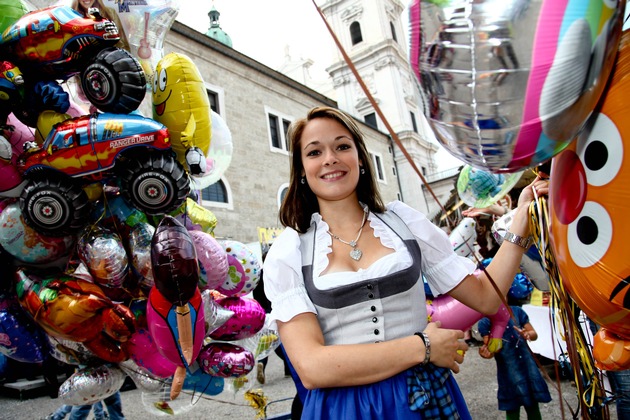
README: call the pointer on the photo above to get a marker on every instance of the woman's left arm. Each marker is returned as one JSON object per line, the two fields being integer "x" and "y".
{"x": 478, "y": 292}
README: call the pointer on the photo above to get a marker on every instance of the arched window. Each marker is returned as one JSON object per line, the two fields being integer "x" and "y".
{"x": 355, "y": 33}
{"x": 215, "y": 192}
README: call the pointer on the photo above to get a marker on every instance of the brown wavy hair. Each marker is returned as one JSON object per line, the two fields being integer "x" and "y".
{"x": 300, "y": 202}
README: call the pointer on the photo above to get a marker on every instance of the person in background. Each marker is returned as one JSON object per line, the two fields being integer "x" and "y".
{"x": 259, "y": 296}
{"x": 520, "y": 382}
{"x": 345, "y": 282}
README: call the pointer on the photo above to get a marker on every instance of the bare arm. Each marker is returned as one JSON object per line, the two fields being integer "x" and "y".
{"x": 478, "y": 293}
{"x": 322, "y": 366}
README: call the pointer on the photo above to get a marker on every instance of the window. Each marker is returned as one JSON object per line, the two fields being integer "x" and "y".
{"x": 424, "y": 170}
{"x": 394, "y": 170}
{"x": 391, "y": 26}
{"x": 370, "y": 119}
{"x": 282, "y": 192}
{"x": 217, "y": 195}
{"x": 355, "y": 33}
{"x": 215, "y": 192}
{"x": 377, "y": 162}
{"x": 278, "y": 127}
{"x": 216, "y": 98}
{"x": 214, "y": 101}
{"x": 413, "y": 122}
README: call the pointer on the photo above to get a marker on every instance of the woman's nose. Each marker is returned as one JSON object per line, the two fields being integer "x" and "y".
{"x": 330, "y": 158}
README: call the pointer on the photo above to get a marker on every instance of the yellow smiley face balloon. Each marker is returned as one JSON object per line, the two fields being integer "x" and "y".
{"x": 180, "y": 102}
{"x": 590, "y": 208}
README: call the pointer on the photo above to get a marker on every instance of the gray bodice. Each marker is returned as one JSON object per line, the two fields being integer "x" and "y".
{"x": 373, "y": 310}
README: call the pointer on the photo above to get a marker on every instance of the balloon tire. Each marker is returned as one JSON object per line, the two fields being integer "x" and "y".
{"x": 155, "y": 170}
{"x": 121, "y": 78}
{"x": 66, "y": 196}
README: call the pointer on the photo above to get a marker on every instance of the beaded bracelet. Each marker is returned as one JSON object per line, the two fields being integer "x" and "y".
{"x": 427, "y": 346}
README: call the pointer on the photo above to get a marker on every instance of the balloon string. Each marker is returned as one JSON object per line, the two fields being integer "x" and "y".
{"x": 391, "y": 131}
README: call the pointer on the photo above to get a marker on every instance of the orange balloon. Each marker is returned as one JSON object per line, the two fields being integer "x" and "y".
{"x": 590, "y": 207}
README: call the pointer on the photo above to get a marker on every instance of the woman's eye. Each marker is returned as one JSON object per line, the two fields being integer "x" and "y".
{"x": 344, "y": 147}
{"x": 313, "y": 153}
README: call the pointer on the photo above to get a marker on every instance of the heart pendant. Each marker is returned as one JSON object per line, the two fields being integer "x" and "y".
{"x": 356, "y": 254}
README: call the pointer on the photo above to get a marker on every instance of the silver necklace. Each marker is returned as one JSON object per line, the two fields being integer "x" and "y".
{"x": 356, "y": 253}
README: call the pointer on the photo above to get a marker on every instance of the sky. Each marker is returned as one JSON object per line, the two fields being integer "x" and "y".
{"x": 263, "y": 30}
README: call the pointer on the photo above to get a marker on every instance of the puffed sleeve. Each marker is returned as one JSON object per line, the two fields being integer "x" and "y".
{"x": 284, "y": 285}
{"x": 441, "y": 266}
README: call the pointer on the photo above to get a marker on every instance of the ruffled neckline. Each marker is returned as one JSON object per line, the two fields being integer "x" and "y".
{"x": 323, "y": 240}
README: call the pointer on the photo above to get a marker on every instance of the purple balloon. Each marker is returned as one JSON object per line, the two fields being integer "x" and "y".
{"x": 226, "y": 360}
{"x": 213, "y": 260}
{"x": 248, "y": 319}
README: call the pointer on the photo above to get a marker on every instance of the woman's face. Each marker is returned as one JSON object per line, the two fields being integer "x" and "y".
{"x": 330, "y": 159}
{"x": 86, "y": 4}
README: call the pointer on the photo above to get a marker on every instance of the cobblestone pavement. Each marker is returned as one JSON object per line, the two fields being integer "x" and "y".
{"x": 477, "y": 380}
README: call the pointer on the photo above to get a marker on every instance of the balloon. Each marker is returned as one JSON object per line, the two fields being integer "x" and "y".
{"x": 481, "y": 189}
{"x": 11, "y": 181}
{"x": 248, "y": 319}
{"x": 24, "y": 243}
{"x": 180, "y": 102}
{"x": 174, "y": 262}
{"x": 215, "y": 314}
{"x": 610, "y": 351}
{"x": 71, "y": 352}
{"x": 141, "y": 377}
{"x": 589, "y": 206}
{"x": 116, "y": 213}
{"x": 263, "y": 343}
{"x": 11, "y": 10}
{"x": 213, "y": 260}
{"x": 195, "y": 217}
{"x": 463, "y": 237}
{"x": 531, "y": 262}
{"x": 78, "y": 310}
{"x": 199, "y": 381}
{"x": 226, "y": 360}
{"x": 162, "y": 323}
{"x": 521, "y": 287}
{"x": 45, "y": 122}
{"x": 159, "y": 403}
{"x": 510, "y": 84}
{"x": 140, "y": 249}
{"x": 20, "y": 337}
{"x": 219, "y": 155}
{"x": 18, "y": 135}
{"x": 91, "y": 384}
{"x": 455, "y": 315}
{"x": 243, "y": 271}
{"x": 103, "y": 253}
{"x": 144, "y": 352}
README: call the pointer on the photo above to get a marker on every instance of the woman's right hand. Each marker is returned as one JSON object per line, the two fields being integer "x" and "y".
{"x": 447, "y": 346}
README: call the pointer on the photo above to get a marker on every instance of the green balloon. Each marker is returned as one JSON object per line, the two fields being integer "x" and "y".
{"x": 11, "y": 11}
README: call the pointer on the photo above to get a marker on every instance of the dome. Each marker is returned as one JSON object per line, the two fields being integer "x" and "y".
{"x": 215, "y": 31}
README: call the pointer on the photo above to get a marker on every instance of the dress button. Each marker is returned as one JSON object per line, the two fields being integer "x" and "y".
{"x": 375, "y": 319}
{"x": 376, "y": 332}
{"x": 371, "y": 295}
{"x": 370, "y": 287}
{"x": 373, "y": 308}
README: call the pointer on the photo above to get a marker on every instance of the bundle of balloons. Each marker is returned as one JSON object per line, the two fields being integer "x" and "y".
{"x": 110, "y": 262}
{"x": 510, "y": 85}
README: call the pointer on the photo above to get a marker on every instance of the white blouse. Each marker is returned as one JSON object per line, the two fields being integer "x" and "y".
{"x": 284, "y": 285}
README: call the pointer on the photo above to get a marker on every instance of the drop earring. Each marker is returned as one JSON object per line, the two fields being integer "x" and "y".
{"x": 303, "y": 180}
{"x": 362, "y": 171}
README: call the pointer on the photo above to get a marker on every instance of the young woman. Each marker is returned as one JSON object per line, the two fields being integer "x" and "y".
{"x": 345, "y": 282}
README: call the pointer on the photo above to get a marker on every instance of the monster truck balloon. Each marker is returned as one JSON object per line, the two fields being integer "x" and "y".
{"x": 57, "y": 43}
{"x": 130, "y": 149}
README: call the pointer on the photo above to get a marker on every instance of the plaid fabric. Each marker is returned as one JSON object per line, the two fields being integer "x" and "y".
{"x": 428, "y": 392}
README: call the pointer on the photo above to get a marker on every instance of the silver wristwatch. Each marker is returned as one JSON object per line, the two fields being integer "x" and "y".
{"x": 523, "y": 242}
